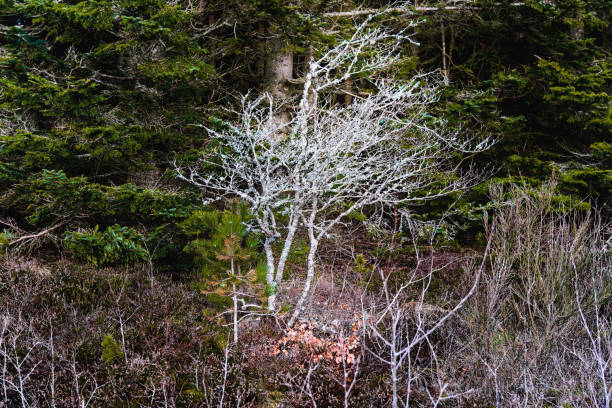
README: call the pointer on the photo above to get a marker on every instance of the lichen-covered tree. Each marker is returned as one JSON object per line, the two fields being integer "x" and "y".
{"x": 327, "y": 161}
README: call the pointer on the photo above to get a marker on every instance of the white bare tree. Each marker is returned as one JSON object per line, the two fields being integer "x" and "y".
{"x": 328, "y": 161}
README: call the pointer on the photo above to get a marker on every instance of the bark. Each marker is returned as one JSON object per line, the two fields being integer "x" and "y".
{"x": 310, "y": 268}
{"x": 309, "y": 278}
{"x": 279, "y": 73}
{"x": 235, "y": 301}
{"x": 286, "y": 247}
{"x": 270, "y": 282}
{"x": 445, "y": 62}
{"x": 394, "y": 357}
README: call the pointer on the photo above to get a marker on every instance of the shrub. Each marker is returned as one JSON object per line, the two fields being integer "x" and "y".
{"x": 115, "y": 246}
{"x": 111, "y": 350}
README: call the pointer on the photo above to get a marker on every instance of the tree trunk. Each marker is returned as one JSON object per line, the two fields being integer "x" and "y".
{"x": 279, "y": 72}
{"x": 314, "y": 243}
{"x": 577, "y": 26}
{"x": 235, "y": 300}
{"x": 270, "y": 283}
{"x": 280, "y": 269}
{"x": 393, "y": 361}
{"x": 445, "y": 62}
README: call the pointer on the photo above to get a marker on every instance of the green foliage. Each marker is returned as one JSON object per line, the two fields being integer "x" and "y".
{"x": 52, "y": 194}
{"x": 98, "y": 98}
{"x": 181, "y": 72}
{"x": 361, "y": 265}
{"x": 538, "y": 79}
{"x": 95, "y": 99}
{"x": 4, "y": 240}
{"x": 357, "y": 216}
{"x": 111, "y": 350}
{"x": 116, "y": 245}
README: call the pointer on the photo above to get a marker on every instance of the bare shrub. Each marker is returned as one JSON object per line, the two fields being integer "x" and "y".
{"x": 77, "y": 337}
{"x": 539, "y": 327}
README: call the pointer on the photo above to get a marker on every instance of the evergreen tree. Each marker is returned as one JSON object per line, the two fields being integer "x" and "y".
{"x": 228, "y": 255}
